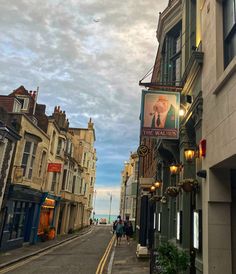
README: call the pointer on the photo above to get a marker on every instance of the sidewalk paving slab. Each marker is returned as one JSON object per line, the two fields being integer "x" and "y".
{"x": 125, "y": 260}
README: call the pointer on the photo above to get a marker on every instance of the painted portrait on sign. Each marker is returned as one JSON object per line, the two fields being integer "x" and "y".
{"x": 160, "y": 114}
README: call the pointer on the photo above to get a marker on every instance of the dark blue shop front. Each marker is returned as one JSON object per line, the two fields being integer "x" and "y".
{"x": 21, "y": 216}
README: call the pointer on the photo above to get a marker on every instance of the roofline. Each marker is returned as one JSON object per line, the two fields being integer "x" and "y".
{"x": 27, "y": 118}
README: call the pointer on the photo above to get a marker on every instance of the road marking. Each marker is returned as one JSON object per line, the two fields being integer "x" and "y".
{"x": 105, "y": 256}
{"x": 111, "y": 262}
{"x": 36, "y": 256}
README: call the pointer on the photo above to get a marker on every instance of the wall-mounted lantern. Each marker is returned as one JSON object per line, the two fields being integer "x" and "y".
{"x": 152, "y": 188}
{"x": 181, "y": 112}
{"x": 175, "y": 168}
{"x": 189, "y": 154}
{"x": 158, "y": 184}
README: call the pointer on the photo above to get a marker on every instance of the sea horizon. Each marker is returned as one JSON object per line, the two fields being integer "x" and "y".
{"x": 112, "y": 217}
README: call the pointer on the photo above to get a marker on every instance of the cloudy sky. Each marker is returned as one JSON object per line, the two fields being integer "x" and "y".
{"x": 86, "y": 56}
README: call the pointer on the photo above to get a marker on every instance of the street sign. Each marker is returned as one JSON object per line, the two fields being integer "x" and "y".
{"x": 142, "y": 150}
{"x": 54, "y": 167}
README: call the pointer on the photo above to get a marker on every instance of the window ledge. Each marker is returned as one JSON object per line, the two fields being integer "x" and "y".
{"x": 229, "y": 71}
{"x": 195, "y": 61}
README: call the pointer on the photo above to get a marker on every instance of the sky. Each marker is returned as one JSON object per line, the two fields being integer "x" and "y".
{"x": 88, "y": 57}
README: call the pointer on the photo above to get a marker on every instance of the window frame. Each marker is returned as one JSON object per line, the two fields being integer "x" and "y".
{"x": 229, "y": 32}
{"x": 31, "y": 154}
{"x": 42, "y": 164}
{"x": 54, "y": 182}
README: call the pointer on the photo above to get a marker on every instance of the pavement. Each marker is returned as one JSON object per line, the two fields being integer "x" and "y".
{"x": 123, "y": 259}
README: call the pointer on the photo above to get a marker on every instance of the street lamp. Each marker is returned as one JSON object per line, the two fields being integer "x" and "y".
{"x": 125, "y": 184}
{"x": 109, "y": 218}
{"x": 95, "y": 192}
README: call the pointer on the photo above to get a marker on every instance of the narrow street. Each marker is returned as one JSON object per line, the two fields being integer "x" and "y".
{"x": 82, "y": 256}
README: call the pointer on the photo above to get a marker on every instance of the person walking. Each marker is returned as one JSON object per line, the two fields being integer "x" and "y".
{"x": 119, "y": 231}
{"x": 128, "y": 228}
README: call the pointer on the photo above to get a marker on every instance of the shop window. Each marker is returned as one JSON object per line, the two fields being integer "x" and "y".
{"x": 46, "y": 216}
{"x": 17, "y": 221}
{"x": 229, "y": 21}
{"x": 28, "y": 159}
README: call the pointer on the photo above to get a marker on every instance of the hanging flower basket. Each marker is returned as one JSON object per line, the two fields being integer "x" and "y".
{"x": 188, "y": 185}
{"x": 163, "y": 200}
{"x": 172, "y": 191}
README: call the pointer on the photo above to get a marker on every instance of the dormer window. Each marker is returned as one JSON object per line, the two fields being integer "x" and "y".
{"x": 24, "y": 101}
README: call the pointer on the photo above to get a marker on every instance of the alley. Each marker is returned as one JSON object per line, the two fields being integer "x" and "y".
{"x": 82, "y": 255}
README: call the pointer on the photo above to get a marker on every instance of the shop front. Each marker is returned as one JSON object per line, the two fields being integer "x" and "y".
{"x": 20, "y": 217}
{"x": 47, "y": 218}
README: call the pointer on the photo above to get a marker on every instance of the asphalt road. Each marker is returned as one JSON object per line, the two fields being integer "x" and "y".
{"x": 81, "y": 256}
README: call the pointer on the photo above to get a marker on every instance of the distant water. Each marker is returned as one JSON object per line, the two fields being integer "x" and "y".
{"x": 112, "y": 217}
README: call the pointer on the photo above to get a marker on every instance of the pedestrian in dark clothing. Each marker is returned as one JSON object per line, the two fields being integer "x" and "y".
{"x": 114, "y": 226}
{"x": 128, "y": 229}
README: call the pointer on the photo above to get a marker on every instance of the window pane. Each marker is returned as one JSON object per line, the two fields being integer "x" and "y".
{"x": 27, "y": 147}
{"x": 30, "y": 173}
{"x": 229, "y": 30}
{"x": 59, "y": 146}
{"x": 34, "y": 149}
{"x": 25, "y": 159}
{"x": 32, "y": 161}
{"x": 177, "y": 69}
{"x": 54, "y": 179}
{"x": 178, "y": 43}
{"x": 42, "y": 163}
{"x": 229, "y": 16}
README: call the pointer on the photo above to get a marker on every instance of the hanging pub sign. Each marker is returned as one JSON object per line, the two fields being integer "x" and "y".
{"x": 160, "y": 114}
